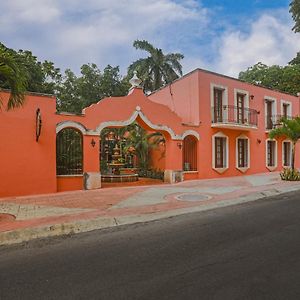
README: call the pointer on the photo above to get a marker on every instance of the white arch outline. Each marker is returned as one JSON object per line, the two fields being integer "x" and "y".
{"x": 136, "y": 113}
{"x": 71, "y": 124}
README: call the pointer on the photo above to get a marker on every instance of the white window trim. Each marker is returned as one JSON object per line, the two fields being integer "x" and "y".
{"x": 289, "y": 112}
{"x": 282, "y": 153}
{"x": 240, "y": 137}
{"x": 274, "y": 108}
{"x": 225, "y": 98}
{"x": 220, "y": 170}
{"x": 271, "y": 168}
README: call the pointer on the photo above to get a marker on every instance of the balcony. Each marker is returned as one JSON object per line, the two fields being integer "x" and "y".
{"x": 233, "y": 117}
{"x": 273, "y": 121}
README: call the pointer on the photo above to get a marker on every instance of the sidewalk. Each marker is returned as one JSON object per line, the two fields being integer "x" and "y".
{"x": 25, "y": 218}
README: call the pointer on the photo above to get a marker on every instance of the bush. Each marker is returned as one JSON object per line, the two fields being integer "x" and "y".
{"x": 155, "y": 174}
{"x": 290, "y": 174}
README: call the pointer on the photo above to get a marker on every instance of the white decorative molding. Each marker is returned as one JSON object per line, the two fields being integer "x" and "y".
{"x": 224, "y": 99}
{"x": 136, "y": 113}
{"x": 271, "y": 168}
{"x": 242, "y": 169}
{"x": 139, "y": 113}
{"x": 71, "y": 124}
{"x": 220, "y": 170}
{"x": 191, "y": 132}
{"x": 282, "y": 153}
{"x": 289, "y": 111}
{"x": 246, "y": 100}
{"x": 274, "y": 108}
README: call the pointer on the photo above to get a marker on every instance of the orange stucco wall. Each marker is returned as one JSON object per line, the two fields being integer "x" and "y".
{"x": 27, "y": 166}
{"x": 184, "y": 107}
{"x": 182, "y": 89}
{"x": 69, "y": 183}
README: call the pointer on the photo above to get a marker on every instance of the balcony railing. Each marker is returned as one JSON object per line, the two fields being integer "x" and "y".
{"x": 230, "y": 114}
{"x": 273, "y": 121}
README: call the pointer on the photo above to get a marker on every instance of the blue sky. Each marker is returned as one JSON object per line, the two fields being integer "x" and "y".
{"x": 223, "y": 36}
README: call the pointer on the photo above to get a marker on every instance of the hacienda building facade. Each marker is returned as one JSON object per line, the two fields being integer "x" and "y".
{"x": 213, "y": 126}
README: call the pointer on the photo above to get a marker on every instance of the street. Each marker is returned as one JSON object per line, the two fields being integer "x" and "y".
{"x": 249, "y": 251}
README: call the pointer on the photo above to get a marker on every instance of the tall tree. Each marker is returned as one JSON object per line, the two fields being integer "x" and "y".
{"x": 77, "y": 92}
{"x": 158, "y": 68}
{"x": 285, "y": 79}
{"x": 12, "y": 76}
{"x": 295, "y": 11}
{"x": 289, "y": 129}
{"x": 42, "y": 77}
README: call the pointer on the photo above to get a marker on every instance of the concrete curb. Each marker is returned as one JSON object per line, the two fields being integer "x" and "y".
{"x": 26, "y": 234}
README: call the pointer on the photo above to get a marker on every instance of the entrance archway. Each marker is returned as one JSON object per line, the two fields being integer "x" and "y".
{"x": 131, "y": 152}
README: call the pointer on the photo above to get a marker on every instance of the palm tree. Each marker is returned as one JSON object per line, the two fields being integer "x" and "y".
{"x": 13, "y": 76}
{"x": 158, "y": 68}
{"x": 142, "y": 142}
{"x": 291, "y": 130}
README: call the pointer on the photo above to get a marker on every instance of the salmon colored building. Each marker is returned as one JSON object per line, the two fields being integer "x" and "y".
{"x": 213, "y": 126}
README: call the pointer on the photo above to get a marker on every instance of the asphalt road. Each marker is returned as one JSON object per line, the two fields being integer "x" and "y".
{"x": 249, "y": 251}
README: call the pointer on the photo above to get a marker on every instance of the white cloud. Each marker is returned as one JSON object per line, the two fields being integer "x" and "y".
{"x": 73, "y": 32}
{"x": 270, "y": 40}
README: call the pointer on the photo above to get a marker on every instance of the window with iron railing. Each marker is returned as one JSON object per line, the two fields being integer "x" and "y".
{"x": 236, "y": 115}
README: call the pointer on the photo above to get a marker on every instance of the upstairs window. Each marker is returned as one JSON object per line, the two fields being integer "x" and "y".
{"x": 218, "y": 105}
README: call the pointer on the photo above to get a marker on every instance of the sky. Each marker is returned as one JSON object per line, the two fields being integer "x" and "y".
{"x": 222, "y": 36}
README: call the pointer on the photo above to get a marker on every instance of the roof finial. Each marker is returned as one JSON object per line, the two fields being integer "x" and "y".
{"x": 135, "y": 81}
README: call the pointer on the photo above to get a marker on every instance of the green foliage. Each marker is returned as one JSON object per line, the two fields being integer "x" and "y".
{"x": 41, "y": 77}
{"x": 295, "y": 11}
{"x": 75, "y": 93}
{"x": 285, "y": 79}
{"x": 289, "y": 129}
{"x": 290, "y": 174}
{"x": 158, "y": 68}
{"x": 151, "y": 173}
{"x": 13, "y": 76}
{"x": 142, "y": 142}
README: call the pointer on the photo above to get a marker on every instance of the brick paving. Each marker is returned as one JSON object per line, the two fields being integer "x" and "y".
{"x": 112, "y": 202}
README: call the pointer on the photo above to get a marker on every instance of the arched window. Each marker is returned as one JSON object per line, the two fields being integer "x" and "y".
{"x": 69, "y": 152}
{"x": 190, "y": 153}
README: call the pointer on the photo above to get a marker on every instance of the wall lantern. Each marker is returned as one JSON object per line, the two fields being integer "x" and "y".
{"x": 93, "y": 143}
{"x": 38, "y": 124}
{"x": 258, "y": 141}
{"x": 251, "y": 97}
{"x": 179, "y": 145}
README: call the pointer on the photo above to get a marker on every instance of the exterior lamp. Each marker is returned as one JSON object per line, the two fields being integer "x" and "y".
{"x": 93, "y": 143}
{"x": 251, "y": 97}
{"x": 179, "y": 145}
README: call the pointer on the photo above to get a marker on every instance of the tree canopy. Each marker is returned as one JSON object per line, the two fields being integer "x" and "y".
{"x": 282, "y": 78}
{"x": 295, "y": 11}
{"x": 289, "y": 129}
{"x": 158, "y": 68}
{"x": 13, "y": 76}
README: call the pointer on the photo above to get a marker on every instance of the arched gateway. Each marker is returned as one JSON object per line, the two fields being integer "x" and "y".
{"x": 118, "y": 112}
